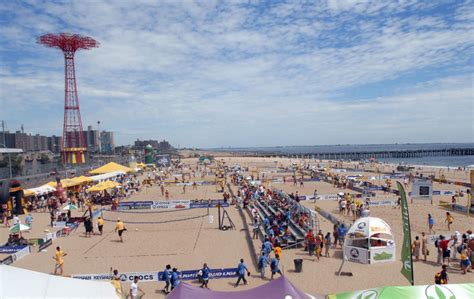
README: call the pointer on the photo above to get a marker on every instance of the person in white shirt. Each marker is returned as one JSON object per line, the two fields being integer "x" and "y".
{"x": 134, "y": 289}
{"x": 16, "y": 220}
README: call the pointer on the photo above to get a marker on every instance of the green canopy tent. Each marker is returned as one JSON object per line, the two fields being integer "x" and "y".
{"x": 445, "y": 291}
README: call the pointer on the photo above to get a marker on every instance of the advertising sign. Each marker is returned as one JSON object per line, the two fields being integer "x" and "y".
{"x": 422, "y": 189}
{"x": 356, "y": 254}
{"x": 11, "y": 249}
{"x": 382, "y": 203}
{"x": 21, "y": 254}
{"x": 134, "y": 205}
{"x": 382, "y": 254}
{"x": 213, "y": 274}
{"x": 407, "y": 269}
{"x": 171, "y": 205}
{"x": 7, "y": 261}
{"x": 45, "y": 244}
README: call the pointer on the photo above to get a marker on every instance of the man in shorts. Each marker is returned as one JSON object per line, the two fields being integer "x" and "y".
{"x": 120, "y": 227}
{"x": 58, "y": 257}
{"x": 134, "y": 289}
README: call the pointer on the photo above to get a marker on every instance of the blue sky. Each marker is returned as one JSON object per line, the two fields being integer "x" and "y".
{"x": 247, "y": 73}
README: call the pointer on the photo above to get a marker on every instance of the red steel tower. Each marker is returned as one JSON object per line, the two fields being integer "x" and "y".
{"x": 73, "y": 146}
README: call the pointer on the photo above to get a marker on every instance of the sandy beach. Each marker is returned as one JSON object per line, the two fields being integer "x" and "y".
{"x": 186, "y": 239}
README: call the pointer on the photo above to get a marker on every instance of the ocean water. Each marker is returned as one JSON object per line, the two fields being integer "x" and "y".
{"x": 435, "y": 161}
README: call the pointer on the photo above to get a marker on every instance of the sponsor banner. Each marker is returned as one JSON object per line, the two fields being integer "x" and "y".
{"x": 45, "y": 245}
{"x": 135, "y": 205}
{"x": 124, "y": 277}
{"x": 11, "y": 249}
{"x": 21, "y": 254}
{"x": 7, "y": 261}
{"x": 382, "y": 203}
{"x": 156, "y": 276}
{"x": 327, "y": 197}
{"x": 374, "y": 188}
{"x": 206, "y": 204}
{"x": 213, "y": 274}
{"x": 457, "y": 207}
{"x": 356, "y": 254}
{"x": 59, "y": 224}
{"x": 443, "y": 192}
{"x": 171, "y": 205}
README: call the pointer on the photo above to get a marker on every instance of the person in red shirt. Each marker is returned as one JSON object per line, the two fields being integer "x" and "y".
{"x": 444, "y": 245}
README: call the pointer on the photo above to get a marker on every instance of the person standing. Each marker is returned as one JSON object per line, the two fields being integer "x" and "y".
{"x": 431, "y": 223}
{"x": 100, "y": 224}
{"x": 205, "y": 276}
{"x": 134, "y": 289}
{"x": 88, "y": 226}
{"x": 120, "y": 228}
{"x": 166, "y": 276}
{"x": 241, "y": 271}
{"x": 327, "y": 244}
{"x": 58, "y": 257}
{"x": 29, "y": 220}
{"x": 424, "y": 246}
{"x": 274, "y": 267}
{"x": 465, "y": 262}
{"x": 416, "y": 248}
{"x": 255, "y": 228}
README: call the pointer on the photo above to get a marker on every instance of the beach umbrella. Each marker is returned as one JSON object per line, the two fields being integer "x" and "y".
{"x": 70, "y": 207}
{"x": 17, "y": 228}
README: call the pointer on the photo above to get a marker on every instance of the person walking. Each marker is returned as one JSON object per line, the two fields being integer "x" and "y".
{"x": 205, "y": 276}
{"x": 262, "y": 264}
{"x": 58, "y": 257}
{"x": 166, "y": 276}
{"x": 120, "y": 228}
{"x": 175, "y": 275}
{"x": 134, "y": 289}
{"x": 241, "y": 271}
{"x": 274, "y": 267}
{"x": 431, "y": 224}
{"x": 465, "y": 262}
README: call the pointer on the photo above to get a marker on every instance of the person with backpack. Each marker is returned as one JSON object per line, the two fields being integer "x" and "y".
{"x": 166, "y": 277}
{"x": 442, "y": 277}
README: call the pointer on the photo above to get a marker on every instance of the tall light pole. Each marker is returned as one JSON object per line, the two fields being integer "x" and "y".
{"x": 9, "y": 158}
{"x": 99, "y": 145}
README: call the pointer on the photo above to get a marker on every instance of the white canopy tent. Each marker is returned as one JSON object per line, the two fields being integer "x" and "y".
{"x": 24, "y": 283}
{"x": 369, "y": 240}
{"x": 41, "y": 190}
{"x": 107, "y": 176}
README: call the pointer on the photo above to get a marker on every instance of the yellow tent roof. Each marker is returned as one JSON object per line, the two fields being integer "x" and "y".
{"x": 82, "y": 179}
{"x": 110, "y": 167}
{"x": 103, "y": 186}
{"x": 28, "y": 192}
{"x": 66, "y": 183}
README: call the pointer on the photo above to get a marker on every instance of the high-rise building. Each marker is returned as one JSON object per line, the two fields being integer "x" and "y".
{"x": 107, "y": 142}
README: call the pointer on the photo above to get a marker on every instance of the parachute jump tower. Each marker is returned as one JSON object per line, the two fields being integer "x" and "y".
{"x": 73, "y": 146}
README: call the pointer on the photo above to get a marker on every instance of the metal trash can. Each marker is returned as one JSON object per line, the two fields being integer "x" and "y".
{"x": 298, "y": 265}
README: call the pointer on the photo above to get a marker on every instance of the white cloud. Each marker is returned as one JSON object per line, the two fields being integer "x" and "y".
{"x": 212, "y": 73}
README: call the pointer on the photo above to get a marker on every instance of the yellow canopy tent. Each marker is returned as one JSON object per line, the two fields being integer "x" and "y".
{"x": 28, "y": 192}
{"x": 82, "y": 179}
{"x": 141, "y": 165}
{"x": 104, "y": 186}
{"x": 110, "y": 167}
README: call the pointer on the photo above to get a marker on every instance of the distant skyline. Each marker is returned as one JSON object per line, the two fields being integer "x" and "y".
{"x": 214, "y": 74}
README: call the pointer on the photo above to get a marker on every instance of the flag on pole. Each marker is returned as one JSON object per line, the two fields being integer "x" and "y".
{"x": 407, "y": 269}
